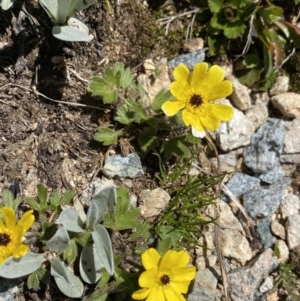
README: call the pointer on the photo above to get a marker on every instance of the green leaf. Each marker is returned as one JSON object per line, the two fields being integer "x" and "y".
{"x": 104, "y": 248}
{"x": 110, "y": 78}
{"x": 161, "y": 97}
{"x": 125, "y": 217}
{"x": 168, "y": 237}
{"x": 34, "y": 204}
{"x": 124, "y": 115}
{"x": 42, "y": 195}
{"x": 67, "y": 197}
{"x": 106, "y": 136}
{"x": 178, "y": 146}
{"x": 82, "y": 238}
{"x": 70, "y": 253}
{"x": 291, "y": 31}
{"x": 234, "y": 30}
{"x": 251, "y": 60}
{"x": 216, "y": 44}
{"x": 70, "y": 220}
{"x": 249, "y": 76}
{"x": 55, "y": 198}
{"x": 147, "y": 139}
{"x": 215, "y": 5}
{"x": 33, "y": 280}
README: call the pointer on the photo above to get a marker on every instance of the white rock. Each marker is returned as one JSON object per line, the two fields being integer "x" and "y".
{"x": 292, "y": 137}
{"x": 289, "y": 205}
{"x": 206, "y": 279}
{"x": 228, "y": 162}
{"x": 235, "y": 245}
{"x": 281, "y": 85}
{"x": 292, "y": 227}
{"x": 267, "y": 284}
{"x": 278, "y": 229}
{"x": 161, "y": 81}
{"x": 240, "y": 96}
{"x": 227, "y": 219}
{"x": 203, "y": 262}
{"x": 258, "y": 114}
{"x": 152, "y": 202}
{"x": 283, "y": 251}
{"x": 287, "y": 103}
{"x": 235, "y": 133}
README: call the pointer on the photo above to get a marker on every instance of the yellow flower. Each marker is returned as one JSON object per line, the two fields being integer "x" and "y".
{"x": 11, "y": 233}
{"x": 166, "y": 278}
{"x": 194, "y": 94}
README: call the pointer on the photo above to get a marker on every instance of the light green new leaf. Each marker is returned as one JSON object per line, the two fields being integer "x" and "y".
{"x": 215, "y": 5}
{"x": 70, "y": 253}
{"x": 106, "y": 136}
{"x": 34, "y": 279}
{"x": 124, "y": 115}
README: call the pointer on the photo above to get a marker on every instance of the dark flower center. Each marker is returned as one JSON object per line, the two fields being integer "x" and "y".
{"x": 4, "y": 239}
{"x": 196, "y": 100}
{"x": 165, "y": 279}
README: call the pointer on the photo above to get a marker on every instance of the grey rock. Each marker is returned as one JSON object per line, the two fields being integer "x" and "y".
{"x": 188, "y": 59}
{"x": 292, "y": 138}
{"x": 207, "y": 279}
{"x": 241, "y": 183}
{"x": 263, "y": 229}
{"x": 262, "y": 155}
{"x": 200, "y": 294}
{"x": 244, "y": 281}
{"x": 123, "y": 167}
{"x": 273, "y": 176}
{"x": 263, "y": 201}
{"x": 8, "y": 289}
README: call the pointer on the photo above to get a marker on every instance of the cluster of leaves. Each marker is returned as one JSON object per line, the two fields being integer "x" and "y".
{"x": 145, "y": 126}
{"x": 78, "y": 239}
{"x": 183, "y": 219}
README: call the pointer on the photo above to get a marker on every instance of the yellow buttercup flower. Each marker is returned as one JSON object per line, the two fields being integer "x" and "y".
{"x": 11, "y": 233}
{"x": 194, "y": 94}
{"x": 166, "y": 278}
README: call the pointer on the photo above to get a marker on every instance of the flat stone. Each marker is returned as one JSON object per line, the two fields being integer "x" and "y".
{"x": 283, "y": 251}
{"x": 263, "y": 229}
{"x": 289, "y": 205}
{"x": 292, "y": 137}
{"x": 241, "y": 183}
{"x": 274, "y": 175}
{"x": 244, "y": 281}
{"x": 227, "y": 220}
{"x": 258, "y": 114}
{"x": 152, "y": 202}
{"x": 281, "y": 85}
{"x": 262, "y": 155}
{"x": 123, "y": 166}
{"x": 235, "y": 133}
{"x": 200, "y": 294}
{"x": 235, "y": 245}
{"x": 240, "y": 96}
{"x": 188, "y": 59}
{"x": 290, "y": 158}
{"x": 292, "y": 227}
{"x": 287, "y": 103}
{"x": 206, "y": 279}
{"x": 278, "y": 229}
{"x": 262, "y": 202}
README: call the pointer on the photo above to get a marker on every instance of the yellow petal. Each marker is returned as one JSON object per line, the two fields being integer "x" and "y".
{"x": 199, "y": 72}
{"x": 156, "y": 294}
{"x": 172, "y": 107}
{"x": 141, "y": 294}
{"x": 171, "y": 294}
{"x": 1, "y": 225}
{"x": 9, "y": 217}
{"x": 220, "y": 90}
{"x": 181, "y": 73}
{"x": 181, "y": 287}
{"x": 187, "y": 117}
{"x": 148, "y": 278}
{"x": 184, "y": 274}
{"x": 222, "y": 111}
{"x": 173, "y": 259}
{"x": 210, "y": 122}
{"x": 150, "y": 259}
{"x": 213, "y": 77}
{"x": 26, "y": 220}
{"x": 20, "y": 251}
{"x": 179, "y": 90}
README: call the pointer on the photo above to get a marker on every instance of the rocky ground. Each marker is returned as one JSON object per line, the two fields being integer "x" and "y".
{"x": 46, "y": 141}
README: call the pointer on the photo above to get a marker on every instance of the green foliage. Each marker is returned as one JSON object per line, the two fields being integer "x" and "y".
{"x": 145, "y": 126}
{"x": 8, "y": 200}
{"x": 54, "y": 202}
{"x": 34, "y": 280}
{"x": 183, "y": 218}
{"x": 287, "y": 279}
